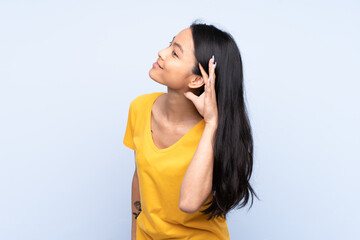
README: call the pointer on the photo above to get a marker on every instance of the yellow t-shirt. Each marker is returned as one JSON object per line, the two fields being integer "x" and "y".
{"x": 160, "y": 173}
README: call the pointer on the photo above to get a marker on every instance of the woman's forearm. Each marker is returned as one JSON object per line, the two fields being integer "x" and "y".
{"x": 197, "y": 183}
{"x": 135, "y": 204}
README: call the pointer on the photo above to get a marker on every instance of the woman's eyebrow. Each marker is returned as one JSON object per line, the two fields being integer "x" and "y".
{"x": 178, "y": 45}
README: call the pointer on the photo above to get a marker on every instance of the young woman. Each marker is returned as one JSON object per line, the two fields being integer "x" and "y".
{"x": 193, "y": 144}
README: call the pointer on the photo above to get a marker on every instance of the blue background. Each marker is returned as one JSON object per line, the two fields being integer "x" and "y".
{"x": 69, "y": 69}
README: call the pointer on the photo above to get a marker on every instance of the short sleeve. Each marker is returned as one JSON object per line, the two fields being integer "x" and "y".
{"x": 129, "y": 132}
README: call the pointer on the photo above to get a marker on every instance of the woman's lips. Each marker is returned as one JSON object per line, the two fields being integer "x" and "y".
{"x": 156, "y": 65}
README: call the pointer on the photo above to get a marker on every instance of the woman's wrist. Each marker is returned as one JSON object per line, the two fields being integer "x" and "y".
{"x": 211, "y": 125}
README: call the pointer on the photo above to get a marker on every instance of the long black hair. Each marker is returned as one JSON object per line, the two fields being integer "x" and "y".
{"x": 233, "y": 145}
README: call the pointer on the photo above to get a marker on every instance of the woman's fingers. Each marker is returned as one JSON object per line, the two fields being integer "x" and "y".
{"x": 211, "y": 77}
{"x": 212, "y": 65}
{"x": 211, "y": 68}
{"x": 204, "y": 74}
{"x": 209, "y": 80}
{"x": 207, "y": 99}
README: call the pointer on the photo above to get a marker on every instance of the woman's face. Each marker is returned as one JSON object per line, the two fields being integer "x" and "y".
{"x": 176, "y": 63}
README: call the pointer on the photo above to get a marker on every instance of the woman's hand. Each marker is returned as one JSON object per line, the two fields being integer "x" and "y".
{"x": 206, "y": 102}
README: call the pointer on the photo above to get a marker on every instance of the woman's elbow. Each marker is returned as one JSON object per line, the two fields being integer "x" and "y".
{"x": 192, "y": 204}
{"x": 188, "y": 207}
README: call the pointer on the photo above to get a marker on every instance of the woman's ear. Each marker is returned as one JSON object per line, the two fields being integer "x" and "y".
{"x": 196, "y": 82}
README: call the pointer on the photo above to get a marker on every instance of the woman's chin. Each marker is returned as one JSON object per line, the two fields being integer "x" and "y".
{"x": 151, "y": 75}
{"x": 155, "y": 79}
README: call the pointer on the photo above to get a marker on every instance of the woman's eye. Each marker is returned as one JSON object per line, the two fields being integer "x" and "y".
{"x": 173, "y": 51}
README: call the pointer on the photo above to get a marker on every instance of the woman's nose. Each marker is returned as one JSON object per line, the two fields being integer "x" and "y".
{"x": 162, "y": 53}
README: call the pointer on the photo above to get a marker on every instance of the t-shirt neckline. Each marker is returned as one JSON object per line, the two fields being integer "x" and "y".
{"x": 148, "y": 128}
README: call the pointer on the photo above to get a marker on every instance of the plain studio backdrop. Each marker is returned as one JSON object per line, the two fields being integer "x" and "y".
{"x": 69, "y": 69}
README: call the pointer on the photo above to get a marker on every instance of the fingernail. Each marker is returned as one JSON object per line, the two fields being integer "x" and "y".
{"x": 215, "y": 65}
{"x": 210, "y": 79}
{"x": 213, "y": 59}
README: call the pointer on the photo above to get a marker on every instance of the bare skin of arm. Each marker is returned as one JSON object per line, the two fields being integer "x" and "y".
{"x": 135, "y": 203}
{"x": 196, "y": 186}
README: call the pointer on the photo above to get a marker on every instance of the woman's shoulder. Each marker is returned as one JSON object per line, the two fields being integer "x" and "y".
{"x": 144, "y": 99}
